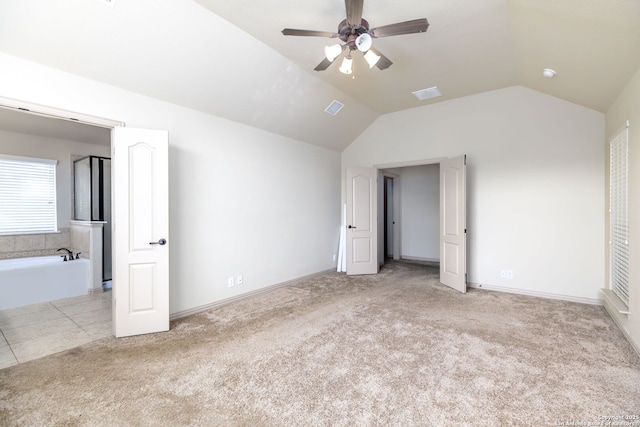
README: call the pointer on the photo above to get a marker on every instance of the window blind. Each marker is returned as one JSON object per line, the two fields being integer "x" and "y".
{"x": 618, "y": 216}
{"x": 27, "y": 195}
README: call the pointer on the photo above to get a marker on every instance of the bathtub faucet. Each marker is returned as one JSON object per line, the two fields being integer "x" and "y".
{"x": 68, "y": 252}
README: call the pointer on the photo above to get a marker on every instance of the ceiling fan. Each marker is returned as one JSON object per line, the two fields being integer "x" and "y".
{"x": 356, "y": 35}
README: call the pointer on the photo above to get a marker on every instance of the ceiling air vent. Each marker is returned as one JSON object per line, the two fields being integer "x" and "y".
{"x": 110, "y": 3}
{"x": 432, "y": 92}
{"x": 334, "y": 107}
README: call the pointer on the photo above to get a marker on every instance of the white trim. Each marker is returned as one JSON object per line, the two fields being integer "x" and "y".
{"x": 615, "y": 316}
{"x": 434, "y": 161}
{"x": 58, "y": 113}
{"x": 221, "y": 303}
{"x": 581, "y": 300}
{"x": 11, "y": 158}
{"x": 615, "y": 302}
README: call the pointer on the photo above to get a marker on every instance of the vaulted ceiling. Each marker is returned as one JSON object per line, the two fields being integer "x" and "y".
{"x": 229, "y": 58}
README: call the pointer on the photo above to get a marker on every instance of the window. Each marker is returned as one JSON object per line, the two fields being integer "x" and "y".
{"x": 27, "y": 195}
{"x": 618, "y": 216}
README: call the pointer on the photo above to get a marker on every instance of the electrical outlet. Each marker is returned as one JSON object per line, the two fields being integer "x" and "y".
{"x": 503, "y": 273}
{"x": 230, "y": 282}
{"x": 509, "y": 274}
{"x": 239, "y": 280}
{"x": 334, "y": 257}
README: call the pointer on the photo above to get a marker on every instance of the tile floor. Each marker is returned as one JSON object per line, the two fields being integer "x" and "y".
{"x": 37, "y": 330}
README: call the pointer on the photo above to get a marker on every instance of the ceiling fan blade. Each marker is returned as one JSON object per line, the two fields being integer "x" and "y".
{"x": 354, "y": 12}
{"x": 323, "y": 65}
{"x": 407, "y": 27}
{"x": 384, "y": 62}
{"x": 311, "y": 33}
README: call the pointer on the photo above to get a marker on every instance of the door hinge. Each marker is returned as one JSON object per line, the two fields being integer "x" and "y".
{"x": 465, "y": 231}
{"x": 465, "y": 159}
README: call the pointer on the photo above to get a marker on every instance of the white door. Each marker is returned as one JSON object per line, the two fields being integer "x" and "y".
{"x": 453, "y": 238}
{"x": 140, "y": 231}
{"x": 362, "y": 223}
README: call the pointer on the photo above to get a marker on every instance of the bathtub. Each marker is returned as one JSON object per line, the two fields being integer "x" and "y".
{"x": 26, "y": 281}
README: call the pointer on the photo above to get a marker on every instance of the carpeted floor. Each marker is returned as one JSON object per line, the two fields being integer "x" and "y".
{"x": 392, "y": 349}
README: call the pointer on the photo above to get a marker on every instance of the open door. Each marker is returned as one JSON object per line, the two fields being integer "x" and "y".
{"x": 453, "y": 237}
{"x": 140, "y": 231}
{"x": 362, "y": 222}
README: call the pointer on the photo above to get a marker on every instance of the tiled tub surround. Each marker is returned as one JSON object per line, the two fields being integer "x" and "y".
{"x": 31, "y": 245}
{"x": 82, "y": 236}
{"x": 86, "y": 237}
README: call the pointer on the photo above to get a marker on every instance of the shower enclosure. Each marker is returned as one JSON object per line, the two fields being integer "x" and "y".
{"x": 92, "y": 200}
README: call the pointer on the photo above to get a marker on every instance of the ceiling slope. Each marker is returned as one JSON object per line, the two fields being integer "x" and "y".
{"x": 229, "y": 58}
{"x": 177, "y": 51}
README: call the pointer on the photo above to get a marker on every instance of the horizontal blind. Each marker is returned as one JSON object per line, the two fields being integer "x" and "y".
{"x": 618, "y": 208}
{"x": 27, "y": 195}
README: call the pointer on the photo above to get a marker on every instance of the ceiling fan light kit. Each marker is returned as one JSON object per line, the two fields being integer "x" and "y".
{"x": 332, "y": 52}
{"x": 372, "y": 58}
{"x": 364, "y": 42}
{"x": 354, "y": 32}
{"x": 347, "y": 64}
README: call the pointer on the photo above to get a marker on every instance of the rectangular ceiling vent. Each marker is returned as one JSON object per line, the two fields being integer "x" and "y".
{"x": 432, "y": 92}
{"x": 110, "y": 3}
{"x": 334, "y": 107}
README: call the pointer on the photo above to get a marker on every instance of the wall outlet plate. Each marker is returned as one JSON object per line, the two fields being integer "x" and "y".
{"x": 230, "y": 282}
{"x": 239, "y": 280}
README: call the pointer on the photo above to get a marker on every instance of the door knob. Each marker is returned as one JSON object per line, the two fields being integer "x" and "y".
{"x": 160, "y": 242}
{"x": 351, "y": 226}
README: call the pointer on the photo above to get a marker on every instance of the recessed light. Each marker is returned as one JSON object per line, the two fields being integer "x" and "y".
{"x": 428, "y": 93}
{"x": 549, "y": 73}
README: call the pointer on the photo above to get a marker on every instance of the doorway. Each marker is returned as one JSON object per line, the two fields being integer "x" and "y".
{"x": 35, "y": 331}
{"x": 388, "y": 217}
{"x": 410, "y": 213}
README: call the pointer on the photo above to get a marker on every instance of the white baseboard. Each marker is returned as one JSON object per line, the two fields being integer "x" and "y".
{"x": 591, "y": 301}
{"x": 417, "y": 258}
{"x": 217, "y": 304}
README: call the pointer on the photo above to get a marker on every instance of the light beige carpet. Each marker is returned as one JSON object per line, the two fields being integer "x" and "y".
{"x": 392, "y": 349}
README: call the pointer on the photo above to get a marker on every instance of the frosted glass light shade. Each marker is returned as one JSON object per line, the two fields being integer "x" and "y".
{"x": 372, "y": 58}
{"x": 345, "y": 68}
{"x": 364, "y": 42}
{"x": 332, "y": 52}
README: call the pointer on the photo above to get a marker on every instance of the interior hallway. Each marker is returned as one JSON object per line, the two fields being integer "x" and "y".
{"x": 38, "y": 330}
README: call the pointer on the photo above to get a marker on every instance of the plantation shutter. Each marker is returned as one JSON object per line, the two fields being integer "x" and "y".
{"x": 27, "y": 195}
{"x": 618, "y": 208}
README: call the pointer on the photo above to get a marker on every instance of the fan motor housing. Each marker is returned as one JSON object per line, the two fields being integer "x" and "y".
{"x": 349, "y": 33}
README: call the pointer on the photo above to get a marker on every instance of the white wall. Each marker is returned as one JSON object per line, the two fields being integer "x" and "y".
{"x": 242, "y": 200}
{"x": 17, "y": 144}
{"x": 627, "y": 107}
{"x": 420, "y": 201}
{"x": 535, "y": 183}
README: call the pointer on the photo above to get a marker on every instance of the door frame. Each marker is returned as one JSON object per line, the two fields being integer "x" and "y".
{"x": 397, "y": 229}
{"x": 26, "y": 107}
{"x": 381, "y": 170}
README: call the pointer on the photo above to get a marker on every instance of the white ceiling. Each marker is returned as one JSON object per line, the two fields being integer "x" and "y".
{"x": 228, "y": 58}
